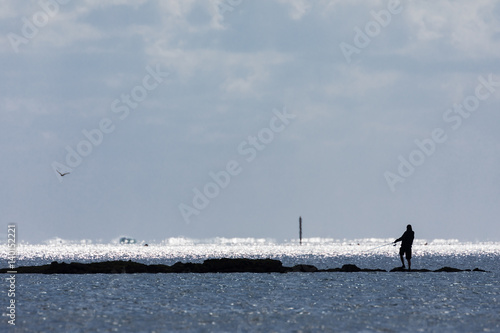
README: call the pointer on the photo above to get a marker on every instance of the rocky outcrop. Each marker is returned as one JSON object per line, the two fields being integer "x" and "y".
{"x": 349, "y": 268}
{"x": 226, "y": 265}
{"x": 443, "y": 269}
{"x": 303, "y": 268}
{"x": 223, "y": 265}
{"x": 401, "y": 269}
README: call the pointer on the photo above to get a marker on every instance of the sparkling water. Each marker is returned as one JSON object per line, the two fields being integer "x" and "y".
{"x": 249, "y": 302}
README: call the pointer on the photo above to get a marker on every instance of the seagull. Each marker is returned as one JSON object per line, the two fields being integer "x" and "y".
{"x": 62, "y": 174}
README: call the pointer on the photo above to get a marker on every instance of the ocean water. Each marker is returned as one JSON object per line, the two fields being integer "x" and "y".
{"x": 246, "y": 302}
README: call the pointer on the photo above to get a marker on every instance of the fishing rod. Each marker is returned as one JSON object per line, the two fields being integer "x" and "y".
{"x": 380, "y": 246}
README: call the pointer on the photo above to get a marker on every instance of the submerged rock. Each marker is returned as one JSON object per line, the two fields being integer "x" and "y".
{"x": 223, "y": 265}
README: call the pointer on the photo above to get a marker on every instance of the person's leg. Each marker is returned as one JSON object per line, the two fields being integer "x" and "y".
{"x": 408, "y": 258}
{"x": 401, "y": 252}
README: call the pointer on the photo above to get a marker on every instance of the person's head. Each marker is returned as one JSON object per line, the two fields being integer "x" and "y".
{"x": 408, "y": 227}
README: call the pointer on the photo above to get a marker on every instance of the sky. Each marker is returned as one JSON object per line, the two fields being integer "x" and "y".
{"x": 233, "y": 118}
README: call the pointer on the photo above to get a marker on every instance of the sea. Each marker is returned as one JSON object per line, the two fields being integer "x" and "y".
{"x": 257, "y": 302}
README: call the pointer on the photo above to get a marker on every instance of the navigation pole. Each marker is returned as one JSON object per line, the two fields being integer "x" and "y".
{"x": 300, "y": 229}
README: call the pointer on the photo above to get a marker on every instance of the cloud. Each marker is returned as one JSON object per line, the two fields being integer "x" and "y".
{"x": 298, "y": 8}
{"x": 228, "y": 71}
{"x": 467, "y": 29}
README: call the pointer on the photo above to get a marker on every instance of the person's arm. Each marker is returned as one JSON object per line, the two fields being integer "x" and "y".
{"x": 399, "y": 239}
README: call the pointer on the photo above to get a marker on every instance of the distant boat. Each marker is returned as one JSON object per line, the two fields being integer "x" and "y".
{"x": 62, "y": 174}
{"x": 127, "y": 240}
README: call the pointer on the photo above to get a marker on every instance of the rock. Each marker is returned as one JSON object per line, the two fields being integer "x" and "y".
{"x": 303, "y": 268}
{"x": 448, "y": 269}
{"x": 399, "y": 269}
{"x": 372, "y": 270}
{"x": 226, "y": 265}
{"x": 223, "y": 265}
{"x": 350, "y": 268}
{"x": 478, "y": 270}
{"x": 443, "y": 269}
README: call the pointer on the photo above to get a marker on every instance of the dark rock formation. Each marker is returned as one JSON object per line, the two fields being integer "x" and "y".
{"x": 349, "y": 268}
{"x": 443, "y": 269}
{"x": 303, "y": 268}
{"x": 451, "y": 270}
{"x": 478, "y": 270}
{"x": 223, "y": 265}
{"x": 226, "y": 265}
{"x": 401, "y": 269}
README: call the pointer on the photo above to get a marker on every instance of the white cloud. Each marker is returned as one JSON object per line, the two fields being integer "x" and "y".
{"x": 298, "y": 8}
{"x": 468, "y": 27}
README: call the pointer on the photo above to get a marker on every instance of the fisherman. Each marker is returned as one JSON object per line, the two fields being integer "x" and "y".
{"x": 406, "y": 243}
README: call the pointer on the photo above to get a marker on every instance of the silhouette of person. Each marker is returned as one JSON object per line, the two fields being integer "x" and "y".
{"x": 406, "y": 243}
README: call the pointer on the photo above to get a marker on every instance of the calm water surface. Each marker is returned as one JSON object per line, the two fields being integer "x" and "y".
{"x": 245, "y": 302}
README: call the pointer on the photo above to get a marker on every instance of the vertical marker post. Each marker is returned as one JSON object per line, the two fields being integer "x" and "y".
{"x": 300, "y": 229}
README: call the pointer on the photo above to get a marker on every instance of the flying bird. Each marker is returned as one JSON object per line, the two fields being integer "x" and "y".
{"x": 62, "y": 174}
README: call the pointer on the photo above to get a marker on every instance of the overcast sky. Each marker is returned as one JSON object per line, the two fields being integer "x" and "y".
{"x": 232, "y": 118}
